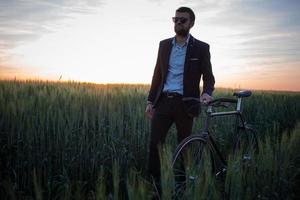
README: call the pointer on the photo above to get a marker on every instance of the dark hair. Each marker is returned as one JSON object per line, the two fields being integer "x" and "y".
{"x": 188, "y": 10}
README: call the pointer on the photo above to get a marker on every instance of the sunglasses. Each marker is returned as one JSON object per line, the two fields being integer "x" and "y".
{"x": 179, "y": 19}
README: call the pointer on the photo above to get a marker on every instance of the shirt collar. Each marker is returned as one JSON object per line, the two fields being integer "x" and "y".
{"x": 186, "y": 40}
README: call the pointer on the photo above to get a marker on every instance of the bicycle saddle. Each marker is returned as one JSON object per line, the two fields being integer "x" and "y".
{"x": 242, "y": 93}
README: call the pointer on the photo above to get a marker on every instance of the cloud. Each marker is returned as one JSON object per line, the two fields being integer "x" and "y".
{"x": 256, "y": 29}
{"x": 23, "y": 21}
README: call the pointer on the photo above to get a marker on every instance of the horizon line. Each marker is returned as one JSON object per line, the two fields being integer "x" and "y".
{"x": 43, "y": 80}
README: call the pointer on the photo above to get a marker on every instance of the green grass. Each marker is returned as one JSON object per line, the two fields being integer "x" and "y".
{"x": 70, "y": 140}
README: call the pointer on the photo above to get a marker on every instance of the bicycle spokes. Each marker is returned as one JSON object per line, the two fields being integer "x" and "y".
{"x": 190, "y": 165}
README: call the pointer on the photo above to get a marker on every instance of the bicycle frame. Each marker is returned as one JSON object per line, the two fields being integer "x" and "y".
{"x": 239, "y": 124}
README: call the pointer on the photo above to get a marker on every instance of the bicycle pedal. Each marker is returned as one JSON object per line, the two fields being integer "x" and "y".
{"x": 246, "y": 158}
{"x": 221, "y": 172}
{"x": 192, "y": 178}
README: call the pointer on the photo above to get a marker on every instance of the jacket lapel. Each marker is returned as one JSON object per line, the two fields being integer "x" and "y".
{"x": 188, "y": 53}
{"x": 166, "y": 58}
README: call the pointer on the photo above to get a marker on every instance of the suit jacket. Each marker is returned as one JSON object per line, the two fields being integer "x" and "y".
{"x": 197, "y": 65}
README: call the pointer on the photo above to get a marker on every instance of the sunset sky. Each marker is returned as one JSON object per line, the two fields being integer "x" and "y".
{"x": 254, "y": 44}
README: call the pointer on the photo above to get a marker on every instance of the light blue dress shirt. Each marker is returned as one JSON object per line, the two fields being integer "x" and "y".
{"x": 174, "y": 81}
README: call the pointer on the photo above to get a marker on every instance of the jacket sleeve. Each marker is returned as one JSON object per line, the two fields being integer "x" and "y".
{"x": 156, "y": 78}
{"x": 208, "y": 77}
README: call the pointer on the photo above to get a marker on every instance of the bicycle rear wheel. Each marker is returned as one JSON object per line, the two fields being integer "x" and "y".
{"x": 190, "y": 162}
{"x": 246, "y": 143}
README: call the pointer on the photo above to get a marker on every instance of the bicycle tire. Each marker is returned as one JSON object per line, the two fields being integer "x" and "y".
{"x": 188, "y": 162}
{"x": 246, "y": 143}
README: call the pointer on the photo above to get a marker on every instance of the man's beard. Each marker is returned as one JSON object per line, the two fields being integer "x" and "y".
{"x": 181, "y": 32}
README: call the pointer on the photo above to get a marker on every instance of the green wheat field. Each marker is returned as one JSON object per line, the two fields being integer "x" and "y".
{"x": 71, "y": 140}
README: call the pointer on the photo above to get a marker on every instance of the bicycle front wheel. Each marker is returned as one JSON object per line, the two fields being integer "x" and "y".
{"x": 190, "y": 162}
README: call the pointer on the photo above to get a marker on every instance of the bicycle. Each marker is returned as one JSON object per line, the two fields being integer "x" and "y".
{"x": 187, "y": 160}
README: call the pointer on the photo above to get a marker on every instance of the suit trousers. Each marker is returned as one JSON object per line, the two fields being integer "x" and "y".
{"x": 168, "y": 110}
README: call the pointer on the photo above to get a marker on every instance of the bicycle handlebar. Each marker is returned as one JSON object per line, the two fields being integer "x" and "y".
{"x": 221, "y": 100}
{"x": 215, "y": 101}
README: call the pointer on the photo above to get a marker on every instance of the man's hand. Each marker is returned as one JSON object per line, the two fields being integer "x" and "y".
{"x": 205, "y": 98}
{"x": 149, "y": 110}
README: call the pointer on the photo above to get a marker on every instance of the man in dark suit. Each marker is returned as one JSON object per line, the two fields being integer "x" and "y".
{"x": 175, "y": 89}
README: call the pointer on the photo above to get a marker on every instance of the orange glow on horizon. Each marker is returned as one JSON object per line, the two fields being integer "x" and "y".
{"x": 255, "y": 84}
